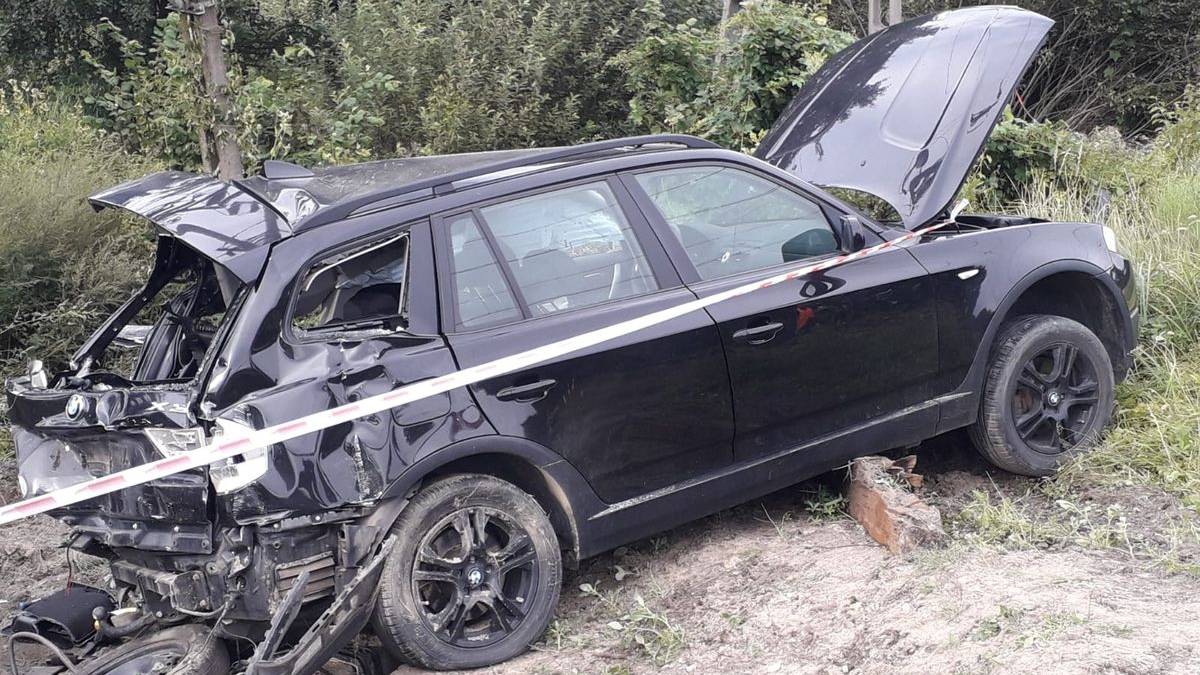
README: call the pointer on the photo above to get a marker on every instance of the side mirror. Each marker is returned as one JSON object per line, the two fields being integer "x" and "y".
{"x": 850, "y": 234}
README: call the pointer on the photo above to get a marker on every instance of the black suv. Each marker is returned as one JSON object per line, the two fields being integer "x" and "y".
{"x": 298, "y": 291}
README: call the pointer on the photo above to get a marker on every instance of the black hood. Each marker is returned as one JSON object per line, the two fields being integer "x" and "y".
{"x": 904, "y": 114}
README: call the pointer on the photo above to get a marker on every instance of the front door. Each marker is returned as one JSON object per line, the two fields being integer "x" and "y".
{"x": 807, "y": 359}
{"x": 637, "y": 414}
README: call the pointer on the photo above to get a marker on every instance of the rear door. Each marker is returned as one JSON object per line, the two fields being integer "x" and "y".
{"x": 633, "y": 415}
{"x": 824, "y": 354}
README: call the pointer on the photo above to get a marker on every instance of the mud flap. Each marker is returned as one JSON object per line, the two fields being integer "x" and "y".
{"x": 336, "y": 626}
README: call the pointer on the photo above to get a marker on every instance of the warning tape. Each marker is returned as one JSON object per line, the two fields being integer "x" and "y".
{"x": 262, "y": 438}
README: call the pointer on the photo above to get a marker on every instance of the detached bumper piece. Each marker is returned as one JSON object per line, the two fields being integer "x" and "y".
{"x": 336, "y": 626}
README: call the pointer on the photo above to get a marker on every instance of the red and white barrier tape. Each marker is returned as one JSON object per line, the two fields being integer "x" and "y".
{"x": 225, "y": 449}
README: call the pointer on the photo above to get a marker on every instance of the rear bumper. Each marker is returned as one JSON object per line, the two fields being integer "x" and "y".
{"x": 170, "y": 514}
{"x": 65, "y": 437}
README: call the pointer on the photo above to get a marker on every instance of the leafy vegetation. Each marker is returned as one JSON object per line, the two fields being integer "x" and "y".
{"x": 727, "y": 83}
{"x": 63, "y": 266}
{"x": 1150, "y": 195}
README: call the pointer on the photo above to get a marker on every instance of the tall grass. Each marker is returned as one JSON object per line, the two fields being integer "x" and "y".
{"x": 1156, "y": 215}
{"x": 62, "y": 266}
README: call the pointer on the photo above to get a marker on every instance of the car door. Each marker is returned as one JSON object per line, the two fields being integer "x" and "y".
{"x": 633, "y": 415}
{"x": 822, "y": 355}
{"x": 337, "y": 317}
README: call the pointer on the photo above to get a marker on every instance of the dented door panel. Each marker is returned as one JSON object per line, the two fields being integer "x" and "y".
{"x": 271, "y": 376}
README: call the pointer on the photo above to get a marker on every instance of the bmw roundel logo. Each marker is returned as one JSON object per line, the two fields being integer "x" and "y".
{"x": 75, "y": 406}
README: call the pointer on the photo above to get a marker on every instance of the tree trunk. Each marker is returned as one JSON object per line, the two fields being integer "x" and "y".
{"x": 874, "y": 16}
{"x": 729, "y": 8}
{"x": 223, "y": 134}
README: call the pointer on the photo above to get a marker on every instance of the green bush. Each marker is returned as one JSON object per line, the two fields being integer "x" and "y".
{"x": 378, "y": 78}
{"x": 62, "y": 266}
{"x": 728, "y": 83}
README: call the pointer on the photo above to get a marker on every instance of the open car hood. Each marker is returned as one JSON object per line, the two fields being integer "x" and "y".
{"x": 221, "y": 221}
{"x": 904, "y": 114}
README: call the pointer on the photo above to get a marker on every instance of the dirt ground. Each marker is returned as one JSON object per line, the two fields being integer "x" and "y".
{"x": 778, "y": 586}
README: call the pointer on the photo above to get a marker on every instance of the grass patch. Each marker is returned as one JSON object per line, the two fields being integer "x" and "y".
{"x": 1150, "y": 197}
{"x": 63, "y": 267}
{"x": 641, "y": 626}
{"x": 1022, "y": 522}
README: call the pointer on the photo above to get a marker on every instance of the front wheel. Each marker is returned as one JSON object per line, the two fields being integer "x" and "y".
{"x": 474, "y": 576}
{"x": 1048, "y": 394}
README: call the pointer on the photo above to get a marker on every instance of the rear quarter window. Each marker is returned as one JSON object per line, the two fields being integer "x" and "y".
{"x": 361, "y": 287}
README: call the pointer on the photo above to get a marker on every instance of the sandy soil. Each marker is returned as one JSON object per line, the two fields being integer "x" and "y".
{"x": 768, "y": 587}
{"x": 808, "y": 597}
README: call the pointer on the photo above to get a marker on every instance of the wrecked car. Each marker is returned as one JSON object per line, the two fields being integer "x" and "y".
{"x": 442, "y": 526}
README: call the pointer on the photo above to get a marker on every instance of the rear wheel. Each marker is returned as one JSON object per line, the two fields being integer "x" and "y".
{"x": 474, "y": 577}
{"x": 182, "y": 650}
{"x": 1048, "y": 394}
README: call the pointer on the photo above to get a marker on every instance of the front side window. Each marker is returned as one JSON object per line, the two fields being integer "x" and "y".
{"x": 731, "y": 221}
{"x": 568, "y": 249}
{"x": 358, "y": 288}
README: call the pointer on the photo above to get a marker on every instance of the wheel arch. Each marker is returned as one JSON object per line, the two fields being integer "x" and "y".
{"x": 556, "y": 485}
{"x": 1073, "y": 289}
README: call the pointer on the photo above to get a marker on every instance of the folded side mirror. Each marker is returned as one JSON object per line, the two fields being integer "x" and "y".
{"x": 850, "y": 234}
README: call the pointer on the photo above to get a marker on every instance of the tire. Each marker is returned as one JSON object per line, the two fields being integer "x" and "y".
{"x": 1033, "y": 416}
{"x": 420, "y": 600}
{"x": 182, "y": 650}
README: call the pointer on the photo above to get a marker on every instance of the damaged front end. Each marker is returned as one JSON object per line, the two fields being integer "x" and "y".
{"x": 132, "y": 394}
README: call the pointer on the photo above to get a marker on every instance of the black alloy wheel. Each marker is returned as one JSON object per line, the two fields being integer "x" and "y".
{"x": 473, "y": 575}
{"x": 1047, "y": 394}
{"x": 1055, "y": 399}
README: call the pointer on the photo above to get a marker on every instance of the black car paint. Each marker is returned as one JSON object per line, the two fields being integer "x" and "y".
{"x": 268, "y": 375}
{"x": 652, "y": 430}
{"x": 869, "y": 119}
{"x": 227, "y": 224}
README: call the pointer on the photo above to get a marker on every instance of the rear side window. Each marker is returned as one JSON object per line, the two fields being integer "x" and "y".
{"x": 358, "y": 288}
{"x": 568, "y": 249}
{"x": 731, "y": 221}
{"x": 482, "y": 296}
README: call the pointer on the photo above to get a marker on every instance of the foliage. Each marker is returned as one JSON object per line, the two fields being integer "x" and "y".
{"x": 640, "y": 625}
{"x": 62, "y": 267}
{"x": 728, "y": 83}
{"x": 1017, "y": 153}
{"x": 1107, "y": 62}
{"x": 377, "y": 78}
{"x": 42, "y": 39}
{"x": 152, "y": 102}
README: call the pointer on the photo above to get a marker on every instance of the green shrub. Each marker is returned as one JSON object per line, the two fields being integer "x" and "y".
{"x": 378, "y": 78}
{"x": 62, "y": 266}
{"x": 1153, "y": 205}
{"x": 728, "y": 83}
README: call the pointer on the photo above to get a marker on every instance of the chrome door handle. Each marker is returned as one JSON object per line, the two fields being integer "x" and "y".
{"x": 526, "y": 393}
{"x": 758, "y": 335}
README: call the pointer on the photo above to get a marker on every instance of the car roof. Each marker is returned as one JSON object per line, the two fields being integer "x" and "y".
{"x": 307, "y": 198}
